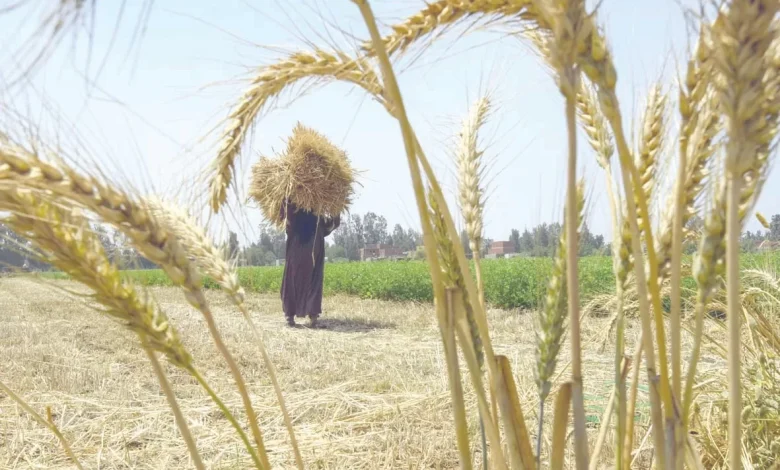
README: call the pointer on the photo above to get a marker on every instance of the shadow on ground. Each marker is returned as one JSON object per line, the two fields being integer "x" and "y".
{"x": 353, "y": 325}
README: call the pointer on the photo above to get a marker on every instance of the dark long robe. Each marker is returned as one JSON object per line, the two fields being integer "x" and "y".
{"x": 304, "y": 261}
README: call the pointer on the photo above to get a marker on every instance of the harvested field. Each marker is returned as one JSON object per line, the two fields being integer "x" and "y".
{"x": 368, "y": 391}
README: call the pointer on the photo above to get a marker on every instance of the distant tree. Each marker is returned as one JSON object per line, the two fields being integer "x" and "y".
{"x": 398, "y": 238}
{"x": 514, "y": 237}
{"x": 414, "y": 239}
{"x": 774, "y": 228}
{"x": 374, "y": 229}
{"x": 541, "y": 235}
{"x": 486, "y": 242}
{"x": 335, "y": 252}
{"x": 233, "y": 245}
{"x": 464, "y": 240}
{"x": 526, "y": 242}
{"x": 598, "y": 242}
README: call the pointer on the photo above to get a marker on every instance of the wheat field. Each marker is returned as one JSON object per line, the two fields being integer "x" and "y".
{"x": 455, "y": 384}
{"x": 367, "y": 391}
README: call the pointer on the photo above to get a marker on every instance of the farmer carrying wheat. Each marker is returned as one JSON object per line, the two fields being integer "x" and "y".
{"x": 304, "y": 263}
{"x": 305, "y": 191}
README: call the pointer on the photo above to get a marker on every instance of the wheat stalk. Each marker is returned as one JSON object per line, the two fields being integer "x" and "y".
{"x": 596, "y": 63}
{"x": 411, "y": 147}
{"x": 69, "y": 244}
{"x": 148, "y": 236}
{"x": 268, "y": 84}
{"x": 211, "y": 261}
{"x": 415, "y": 158}
{"x": 742, "y": 36}
{"x": 48, "y": 423}
{"x": 550, "y": 319}
{"x": 451, "y": 272}
{"x": 682, "y": 206}
{"x": 570, "y": 28}
{"x": 471, "y": 169}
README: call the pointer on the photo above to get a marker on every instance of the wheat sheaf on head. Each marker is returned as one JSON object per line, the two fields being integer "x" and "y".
{"x": 312, "y": 173}
{"x": 270, "y": 82}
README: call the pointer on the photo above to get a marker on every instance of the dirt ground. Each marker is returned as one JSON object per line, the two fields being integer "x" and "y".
{"x": 368, "y": 391}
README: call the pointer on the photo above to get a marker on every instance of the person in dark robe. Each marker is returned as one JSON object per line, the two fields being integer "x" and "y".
{"x": 304, "y": 262}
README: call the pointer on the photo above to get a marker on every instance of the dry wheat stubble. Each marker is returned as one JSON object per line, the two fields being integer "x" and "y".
{"x": 370, "y": 391}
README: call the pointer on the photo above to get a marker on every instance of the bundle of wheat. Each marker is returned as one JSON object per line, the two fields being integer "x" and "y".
{"x": 313, "y": 174}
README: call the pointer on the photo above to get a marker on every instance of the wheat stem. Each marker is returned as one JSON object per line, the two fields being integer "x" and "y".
{"x": 181, "y": 422}
{"x": 456, "y": 391}
{"x": 676, "y": 294}
{"x": 228, "y": 415}
{"x": 494, "y": 437}
{"x": 569, "y": 28}
{"x": 560, "y": 420}
{"x": 628, "y": 436}
{"x": 412, "y": 150}
{"x": 49, "y": 423}
{"x": 211, "y": 262}
{"x": 734, "y": 319}
{"x": 275, "y": 383}
{"x": 236, "y": 372}
{"x": 572, "y": 285}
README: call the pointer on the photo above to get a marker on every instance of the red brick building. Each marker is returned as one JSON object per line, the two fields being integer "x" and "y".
{"x": 380, "y": 251}
{"x": 499, "y": 249}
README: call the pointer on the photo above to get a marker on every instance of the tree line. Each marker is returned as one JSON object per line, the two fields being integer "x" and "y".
{"x": 16, "y": 253}
{"x": 355, "y": 232}
{"x": 542, "y": 241}
{"x": 752, "y": 240}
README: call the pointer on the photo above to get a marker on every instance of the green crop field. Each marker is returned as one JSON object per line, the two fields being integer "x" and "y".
{"x": 510, "y": 283}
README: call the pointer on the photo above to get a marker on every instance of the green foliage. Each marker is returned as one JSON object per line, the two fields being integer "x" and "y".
{"x": 509, "y": 283}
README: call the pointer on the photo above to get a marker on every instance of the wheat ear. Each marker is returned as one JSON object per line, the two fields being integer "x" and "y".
{"x": 211, "y": 261}
{"x": 700, "y": 152}
{"x": 268, "y": 84}
{"x": 471, "y": 172}
{"x": 444, "y": 13}
{"x": 451, "y": 272}
{"x": 61, "y": 234}
{"x": 471, "y": 169}
{"x": 69, "y": 244}
{"x": 135, "y": 221}
{"x": 652, "y": 140}
{"x": 742, "y": 36}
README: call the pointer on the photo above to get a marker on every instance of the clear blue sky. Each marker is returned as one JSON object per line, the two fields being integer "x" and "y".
{"x": 149, "y": 116}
